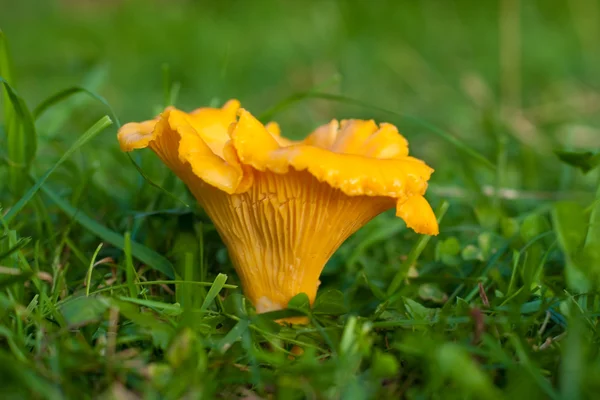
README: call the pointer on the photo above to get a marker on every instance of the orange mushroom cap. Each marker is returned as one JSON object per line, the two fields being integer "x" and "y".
{"x": 268, "y": 196}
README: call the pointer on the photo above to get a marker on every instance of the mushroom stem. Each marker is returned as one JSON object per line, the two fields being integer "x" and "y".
{"x": 283, "y": 230}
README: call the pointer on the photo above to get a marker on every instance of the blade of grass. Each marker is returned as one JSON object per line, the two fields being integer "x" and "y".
{"x": 21, "y": 137}
{"x": 592, "y": 238}
{"x": 88, "y": 279}
{"x": 21, "y": 243}
{"x": 184, "y": 293}
{"x": 214, "y": 291}
{"x": 199, "y": 231}
{"x": 6, "y": 72}
{"x": 170, "y": 88}
{"x": 130, "y": 273}
{"x": 76, "y": 251}
{"x": 533, "y": 370}
{"x": 147, "y": 320}
{"x": 415, "y": 252}
{"x": 279, "y": 314}
{"x": 254, "y": 365}
{"x": 5, "y": 63}
{"x": 139, "y": 251}
{"x": 572, "y": 371}
{"x": 59, "y": 116}
{"x": 233, "y": 336}
{"x": 267, "y": 115}
{"x": 161, "y": 282}
{"x": 67, "y": 93}
{"x": 82, "y": 140}
{"x": 153, "y": 184}
{"x": 157, "y": 305}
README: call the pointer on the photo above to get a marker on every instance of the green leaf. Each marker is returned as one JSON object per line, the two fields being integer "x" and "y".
{"x": 81, "y": 310}
{"x": 418, "y": 311}
{"x": 457, "y": 365}
{"x": 584, "y": 160}
{"x": 330, "y": 302}
{"x": 488, "y": 216}
{"x": 570, "y": 225}
{"x": 82, "y": 140}
{"x": 299, "y": 302}
{"x": 447, "y": 251}
{"x": 471, "y": 252}
{"x": 182, "y": 348}
{"x": 267, "y": 317}
{"x": 509, "y": 227}
{"x": 432, "y": 292}
{"x": 384, "y": 365}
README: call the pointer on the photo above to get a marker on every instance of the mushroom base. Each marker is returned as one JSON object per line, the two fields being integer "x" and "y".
{"x": 282, "y": 231}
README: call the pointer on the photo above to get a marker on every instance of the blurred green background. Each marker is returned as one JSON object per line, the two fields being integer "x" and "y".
{"x": 479, "y": 70}
{"x": 448, "y": 62}
{"x": 513, "y": 81}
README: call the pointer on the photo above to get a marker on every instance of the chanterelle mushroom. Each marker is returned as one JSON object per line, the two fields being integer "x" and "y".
{"x": 282, "y": 207}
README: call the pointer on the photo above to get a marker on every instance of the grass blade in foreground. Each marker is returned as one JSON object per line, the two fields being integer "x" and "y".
{"x": 214, "y": 291}
{"x": 83, "y": 139}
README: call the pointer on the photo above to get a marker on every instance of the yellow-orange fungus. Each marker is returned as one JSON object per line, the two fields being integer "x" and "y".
{"x": 284, "y": 207}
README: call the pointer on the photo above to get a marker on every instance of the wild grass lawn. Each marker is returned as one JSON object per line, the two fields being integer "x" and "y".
{"x": 111, "y": 287}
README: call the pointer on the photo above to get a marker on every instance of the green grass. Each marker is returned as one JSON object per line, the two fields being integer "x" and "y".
{"x": 112, "y": 286}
